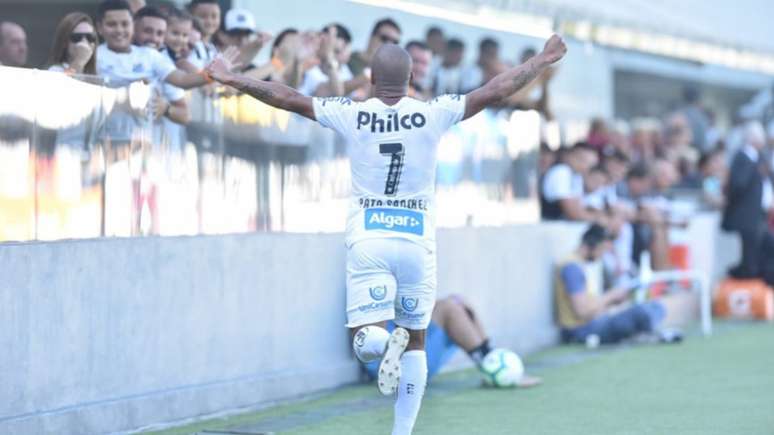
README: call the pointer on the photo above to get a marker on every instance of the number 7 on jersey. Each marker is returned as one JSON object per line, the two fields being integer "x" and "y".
{"x": 395, "y": 151}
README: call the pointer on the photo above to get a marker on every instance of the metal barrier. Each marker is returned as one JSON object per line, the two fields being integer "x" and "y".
{"x": 79, "y": 159}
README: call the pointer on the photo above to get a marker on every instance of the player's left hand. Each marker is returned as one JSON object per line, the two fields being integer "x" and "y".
{"x": 224, "y": 63}
{"x": 554, "y": 49}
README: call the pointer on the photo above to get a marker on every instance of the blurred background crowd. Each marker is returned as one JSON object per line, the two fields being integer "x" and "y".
{"x": 642, "y": 178}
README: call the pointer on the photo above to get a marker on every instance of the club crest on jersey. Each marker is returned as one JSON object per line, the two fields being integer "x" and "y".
{"x": 393, "y": 122}
{"x": 402, "y": 221}
{"x": 409, "y": 304}
{"x": 378, "y": 293}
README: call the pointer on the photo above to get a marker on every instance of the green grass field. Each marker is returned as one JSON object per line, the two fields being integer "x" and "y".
{"x": 721, "y": 385}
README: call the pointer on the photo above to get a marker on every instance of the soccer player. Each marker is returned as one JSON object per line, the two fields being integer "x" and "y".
{"x": 392, "y": 142}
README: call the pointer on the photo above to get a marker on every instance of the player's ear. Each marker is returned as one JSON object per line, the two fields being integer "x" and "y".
{"x": 411, "y": 77}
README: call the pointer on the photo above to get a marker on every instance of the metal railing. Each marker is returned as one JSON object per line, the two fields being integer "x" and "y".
{"x": 79, "y": 159}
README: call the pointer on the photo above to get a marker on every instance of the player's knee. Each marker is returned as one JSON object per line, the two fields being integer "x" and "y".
{"x": 457, "y": 308}
{"x": 416, "y": 339}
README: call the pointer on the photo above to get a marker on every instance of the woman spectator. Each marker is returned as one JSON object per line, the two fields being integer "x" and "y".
{"x": 74, "y": 47}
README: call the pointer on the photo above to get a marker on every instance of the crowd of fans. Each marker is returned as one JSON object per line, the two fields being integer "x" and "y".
{"x": 161, "y": 43}
{"x": 624, "y": 176}
{"x": 635, "y": 179}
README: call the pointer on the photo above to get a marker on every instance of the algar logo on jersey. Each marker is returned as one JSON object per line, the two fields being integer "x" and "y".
{"x": 402, "y": 221}
{"x": 394, "y": 121}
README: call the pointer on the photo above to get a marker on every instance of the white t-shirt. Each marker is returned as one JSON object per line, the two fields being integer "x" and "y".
{"x": 393, "y": 152}
{"x": 140, "y": 63}
{"x": 316, "y": 77}
{"x": 595, "y": 200}
{"x": 166, "y": 131}
{"x": 447, "y": 80}
{"x": 561, "y": 182}
{"x": 472, "y": 78}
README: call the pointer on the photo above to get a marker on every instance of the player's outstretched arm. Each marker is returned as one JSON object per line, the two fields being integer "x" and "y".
{"x": 274, "y": 94}
{"x": 509, "y": 82}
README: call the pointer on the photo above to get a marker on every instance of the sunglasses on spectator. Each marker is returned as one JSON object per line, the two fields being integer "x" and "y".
{"x": 78, "y": 37}
{"x": 386, "y": 38}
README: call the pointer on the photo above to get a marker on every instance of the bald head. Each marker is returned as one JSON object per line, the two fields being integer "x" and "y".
{"x": 391, "y": 69}
{"x": 13, "y": 44}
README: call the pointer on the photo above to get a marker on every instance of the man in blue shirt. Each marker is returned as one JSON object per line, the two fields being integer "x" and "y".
{"x": 584, "y": 312}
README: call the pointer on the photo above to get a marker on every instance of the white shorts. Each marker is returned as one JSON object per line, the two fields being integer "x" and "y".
{"x": 390, "y": 279}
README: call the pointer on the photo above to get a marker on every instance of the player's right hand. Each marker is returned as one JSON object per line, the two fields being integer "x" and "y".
{"x": 554, "y": 49}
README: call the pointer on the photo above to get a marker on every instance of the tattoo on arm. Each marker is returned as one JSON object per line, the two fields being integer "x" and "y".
{"x": 261, "y": 93}
{"x": 274, "y": 94}
{"x": 257, "y": 90}
{"x": 523, "y": 77}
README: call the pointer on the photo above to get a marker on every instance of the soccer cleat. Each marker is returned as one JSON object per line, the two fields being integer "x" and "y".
{"x": 389, "y": 368}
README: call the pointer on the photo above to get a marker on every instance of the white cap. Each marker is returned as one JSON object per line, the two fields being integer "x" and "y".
{"x": 239, "y": 19}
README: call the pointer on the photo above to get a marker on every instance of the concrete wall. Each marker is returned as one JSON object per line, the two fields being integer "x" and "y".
{"x": 118, "y": 334}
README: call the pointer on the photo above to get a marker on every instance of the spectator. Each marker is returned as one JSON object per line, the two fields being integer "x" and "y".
{"x": 240, "y": 31}
{"x": 616, "y": 164}
{"x": 74, "y": 47}
{"x": 644, "y": 140}
{"x": 385, "y": 31}
{"x": 329, "y": 77}
{"x": 447, "y": 78}
{"x": 194, "y": 38}
{"x": 584, "y": 312}
{"x": 677, "y": 145}
{"x": 713, "y": 174}
{"x": 649, "y": 223}
{"x": 454, "y": 325}
{"x": 596, "y": 185}
{"x": 123, "y": 63}
{"x": 207, "y": 13}
{"x": 436, "y": 42}
{"x": 13, "y": 45}
{"x": 562, "y": 196}
{"x": 179, "y": 29}
{"x": 599, "y": 136}
{"x": 547, "y": 159}
{"x": 290, "y": 53}
{"x": 749, "y": 199}
{"x": 698, "y": 121}
{"x": 150, "y": 30}
{"x": 487, "y": 66}
{"x": 73, "y": 51}
{"x": 665, "y": 176}
{"x": 421, "y": 57}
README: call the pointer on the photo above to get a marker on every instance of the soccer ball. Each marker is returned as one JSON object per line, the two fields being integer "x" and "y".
{"x": 501, "y": 368}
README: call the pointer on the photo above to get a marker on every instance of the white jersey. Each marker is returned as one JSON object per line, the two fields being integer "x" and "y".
{"x": 392, "y": 151}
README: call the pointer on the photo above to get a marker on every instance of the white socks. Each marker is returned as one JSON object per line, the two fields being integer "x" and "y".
{"x": 413, "y": 378}
{"x": 369, "y": 343}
